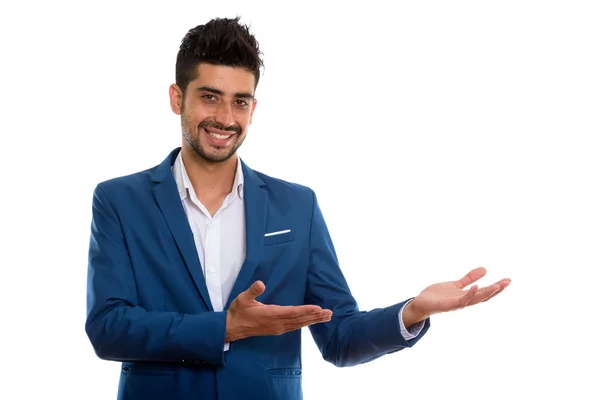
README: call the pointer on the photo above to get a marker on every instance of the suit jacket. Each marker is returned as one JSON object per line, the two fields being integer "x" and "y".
{"x": 148, "y": 305}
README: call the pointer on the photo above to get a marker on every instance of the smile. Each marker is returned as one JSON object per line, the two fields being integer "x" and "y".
{"x": 219, "y": 136}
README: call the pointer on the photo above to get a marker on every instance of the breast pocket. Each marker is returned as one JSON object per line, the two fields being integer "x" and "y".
{"x": 278, "y": 237}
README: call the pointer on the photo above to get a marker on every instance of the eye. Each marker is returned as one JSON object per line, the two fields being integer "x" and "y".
{"x": 209, "y": 97}
{"x": 241, "y": 103}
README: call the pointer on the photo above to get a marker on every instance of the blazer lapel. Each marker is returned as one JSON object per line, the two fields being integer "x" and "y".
{"x": 169, "y": 202}
{"x": 255, "y": 205}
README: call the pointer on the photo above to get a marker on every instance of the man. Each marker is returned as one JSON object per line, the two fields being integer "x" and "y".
{"x": 202, "y": 271}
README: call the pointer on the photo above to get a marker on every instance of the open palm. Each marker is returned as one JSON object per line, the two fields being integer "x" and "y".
{"x": 452, "y": 295}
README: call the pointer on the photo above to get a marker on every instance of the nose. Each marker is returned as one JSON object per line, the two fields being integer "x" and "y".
{"x": 224, "y": 115}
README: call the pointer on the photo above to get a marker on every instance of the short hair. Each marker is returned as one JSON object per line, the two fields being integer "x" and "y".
{"x": 221, "y": 41}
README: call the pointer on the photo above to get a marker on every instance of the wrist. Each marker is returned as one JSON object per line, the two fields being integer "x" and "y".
{"x": 229, "y": 334}
{"x": 412, "y": 315}
{"x": 232, "y": 331}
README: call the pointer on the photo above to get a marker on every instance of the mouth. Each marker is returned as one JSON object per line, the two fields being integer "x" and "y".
{"x": 217, "y": 137}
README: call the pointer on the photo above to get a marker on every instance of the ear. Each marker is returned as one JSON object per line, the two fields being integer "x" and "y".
{"x": 252, "y": 111}
{"x": 176, "y": 98}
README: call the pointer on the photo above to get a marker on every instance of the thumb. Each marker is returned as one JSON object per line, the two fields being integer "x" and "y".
{"x": 254, "y": 291}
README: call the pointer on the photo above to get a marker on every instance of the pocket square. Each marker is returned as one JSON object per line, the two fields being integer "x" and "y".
{"x": 278, "y": 237}
{"x": 278, "y": 233}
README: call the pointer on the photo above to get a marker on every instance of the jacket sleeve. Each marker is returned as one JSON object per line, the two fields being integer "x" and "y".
{"x": 352, "y": 336}
{"x": 118, "y": 328}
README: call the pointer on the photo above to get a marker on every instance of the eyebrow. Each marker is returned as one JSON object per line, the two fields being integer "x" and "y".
{"x": 238, "y": 95}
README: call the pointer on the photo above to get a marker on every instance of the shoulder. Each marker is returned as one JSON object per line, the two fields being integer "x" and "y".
{"x": 126, "y": 190}
{"x": 140, "y": 182}
{"x": 132, "y": 182}
{"x": 278, "y": 184}
{"x": 284, "y": 196}
{"x": 284, "y": 189}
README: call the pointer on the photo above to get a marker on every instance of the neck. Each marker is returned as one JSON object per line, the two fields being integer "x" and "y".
{"x": 209, "y": 177}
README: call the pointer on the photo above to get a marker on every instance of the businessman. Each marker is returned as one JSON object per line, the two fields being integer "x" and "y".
{"x": 202, "y": 271}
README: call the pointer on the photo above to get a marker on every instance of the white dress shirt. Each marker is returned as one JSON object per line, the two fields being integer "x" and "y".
{"x": 221, "y": 239}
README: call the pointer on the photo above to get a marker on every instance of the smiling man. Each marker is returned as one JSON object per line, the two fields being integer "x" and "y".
{"x": 215, "y": 116}
{"x": 202, "y": 271}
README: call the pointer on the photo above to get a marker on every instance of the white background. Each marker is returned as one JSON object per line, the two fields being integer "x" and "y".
{"x": 438, "y": 135}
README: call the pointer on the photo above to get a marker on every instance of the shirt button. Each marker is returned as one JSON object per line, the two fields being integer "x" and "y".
{"x": 212, "y": 269}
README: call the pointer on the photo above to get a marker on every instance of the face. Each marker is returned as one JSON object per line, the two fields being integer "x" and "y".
{"x": 216, "y": 111}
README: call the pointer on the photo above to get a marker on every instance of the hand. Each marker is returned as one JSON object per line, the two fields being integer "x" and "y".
{"x": 248, "y": 317}
{"x": 449, "y": 296}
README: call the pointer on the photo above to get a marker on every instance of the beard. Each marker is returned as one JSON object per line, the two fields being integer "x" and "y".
{"x": 207, "y": 151}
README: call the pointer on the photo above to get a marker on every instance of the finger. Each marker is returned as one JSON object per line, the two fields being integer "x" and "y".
{"x": 472, "y": 276}
{"x": 494, "y": 295}
{"x": 278, "y": 327}
{"x": 485, "y": 293}
{"x": 290, "y": 326}
{"x": 307, "y": 320}
{"x": 255, "y": 290}
{"x": 503, "y": 285}
{"x": 291, "y": 312}
{"x": 468, "y": 297}
{"x": 504, "y": 282}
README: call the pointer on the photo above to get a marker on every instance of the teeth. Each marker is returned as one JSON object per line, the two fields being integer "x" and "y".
{"x": 217, "y": 136}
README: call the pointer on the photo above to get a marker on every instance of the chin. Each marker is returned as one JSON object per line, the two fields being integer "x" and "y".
{"x": 217, "y": 157}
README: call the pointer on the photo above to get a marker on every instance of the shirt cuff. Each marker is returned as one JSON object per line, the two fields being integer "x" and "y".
{"x": 414, "y": 330}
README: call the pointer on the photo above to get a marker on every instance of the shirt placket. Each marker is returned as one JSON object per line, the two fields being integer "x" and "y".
{"x": 212, "y": 256}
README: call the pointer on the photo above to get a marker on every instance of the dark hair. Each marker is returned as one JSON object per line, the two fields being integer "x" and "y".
{"x": 221, "y": 41}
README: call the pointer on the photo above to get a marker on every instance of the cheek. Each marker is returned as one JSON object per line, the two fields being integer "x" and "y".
{"x": 196, "y": 112}
{"x": 244, "y": 118}
{"x": 185, "y": 117}
{"x": 192, "y": 118}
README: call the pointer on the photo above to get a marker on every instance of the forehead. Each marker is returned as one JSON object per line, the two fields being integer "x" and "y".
{"x": 227, "y": 79}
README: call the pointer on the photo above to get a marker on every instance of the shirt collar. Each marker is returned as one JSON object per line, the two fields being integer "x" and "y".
{"x": 184, "y": 185}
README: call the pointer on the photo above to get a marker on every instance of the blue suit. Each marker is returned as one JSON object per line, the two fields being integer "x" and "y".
{"x": 148, "y": 305}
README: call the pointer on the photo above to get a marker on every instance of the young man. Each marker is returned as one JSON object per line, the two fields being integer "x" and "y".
{"x": 202, "y": 271}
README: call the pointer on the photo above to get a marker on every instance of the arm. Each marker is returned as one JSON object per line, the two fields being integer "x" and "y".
{"x": 352, "y": 337}
{"x": 118, "y": 328}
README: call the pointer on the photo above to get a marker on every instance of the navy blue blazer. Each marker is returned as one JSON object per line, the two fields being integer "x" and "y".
{"x": 148, "y": 306}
